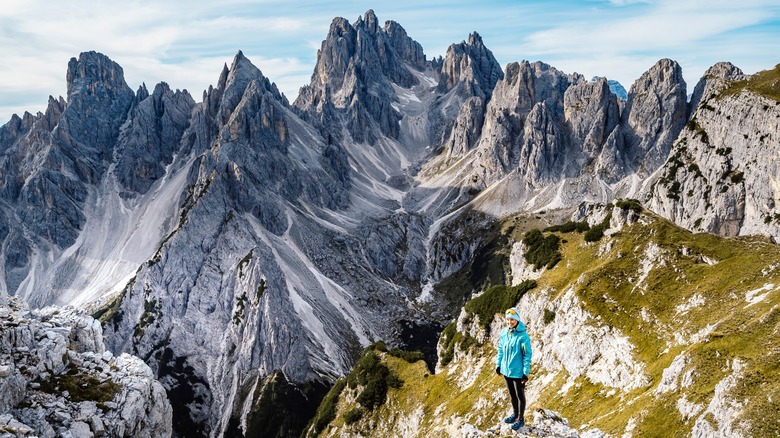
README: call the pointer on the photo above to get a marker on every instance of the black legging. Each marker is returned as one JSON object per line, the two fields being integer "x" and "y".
{"x": 517, "y": 394}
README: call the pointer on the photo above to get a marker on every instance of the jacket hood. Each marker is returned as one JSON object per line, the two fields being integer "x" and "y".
{"x": 520, "y": 326}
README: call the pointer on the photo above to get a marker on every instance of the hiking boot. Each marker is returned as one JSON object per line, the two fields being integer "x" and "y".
{"x": 510, "y": 419}
{"x": 518, "y": 424}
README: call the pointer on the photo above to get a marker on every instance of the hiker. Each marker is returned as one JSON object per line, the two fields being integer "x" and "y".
{"x": 514, "y": 363}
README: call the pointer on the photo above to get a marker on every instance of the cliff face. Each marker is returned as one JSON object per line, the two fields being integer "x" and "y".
{"x": 721, "y": 175}
{"x": 57, "y": 378}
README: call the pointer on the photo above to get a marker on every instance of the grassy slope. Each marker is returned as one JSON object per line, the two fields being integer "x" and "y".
{"x": 765, "y": 83}
{"x": 606, "y": 285}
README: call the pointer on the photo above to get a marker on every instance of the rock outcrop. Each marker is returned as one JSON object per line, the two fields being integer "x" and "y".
{"x": 57, "y": 379}
{"x": 655, "y": 113}
{"x": 721, "y": 174}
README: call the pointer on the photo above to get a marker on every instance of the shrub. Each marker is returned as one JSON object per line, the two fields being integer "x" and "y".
{"x": 542, "y": 251}
{"x": 737, "y": 177}
{"x": 549, "y": 316}
{"x": 327, "y": 410}
{"x": 375, "y": 378}
{"x": 569, "y": 226}
{"x": 597, "y": 232}
{"x": 353, "y": 415}
{"x": 409, "y": 356}
{"x": 630, "y": 204}
{"x": 496, "y": 300}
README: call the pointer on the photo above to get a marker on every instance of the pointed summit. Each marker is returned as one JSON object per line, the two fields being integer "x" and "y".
{"x": 471, "y": 66}
{"x": 94, "y": 69}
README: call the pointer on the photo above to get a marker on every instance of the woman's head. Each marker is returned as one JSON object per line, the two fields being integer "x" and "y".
{"x": 512, "y": 317}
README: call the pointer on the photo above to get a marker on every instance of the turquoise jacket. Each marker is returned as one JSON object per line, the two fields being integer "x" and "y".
{"x": 514, "y": 352}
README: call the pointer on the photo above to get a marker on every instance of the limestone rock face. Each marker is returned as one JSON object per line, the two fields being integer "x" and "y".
{"x": 471, "y": 67}
{"x": 522, "y": 123}
{"x": 592, "y": 113}
{"x": 655, "y": 113}
{"x": 467, "y": 128}
{"x": 715, "y": 79}
{"x": 147, "y": 145}
{"x": 356, "y": 66}
{"x": 721, "y": 174}
{"x": 56, "y": 377}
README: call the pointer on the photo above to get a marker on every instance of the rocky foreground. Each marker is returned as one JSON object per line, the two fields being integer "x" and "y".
{"x": 57, "y": 379}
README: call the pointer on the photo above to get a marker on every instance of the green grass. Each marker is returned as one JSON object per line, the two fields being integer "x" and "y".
{"x": 765, "y": 83}
{"x": 81, "y": 386}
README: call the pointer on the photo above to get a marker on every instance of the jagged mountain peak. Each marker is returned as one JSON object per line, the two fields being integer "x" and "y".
{"x": 242, "y": 71}
{"x": 93, "y": 68}
{"x": 475, "y": 39}
{"x": 656, "y": 111}
{"x": 472, "y": 66}
{"x": 368, "y": 22}
{"x": 666, "y": 73}
{"x": 715, "y": 79}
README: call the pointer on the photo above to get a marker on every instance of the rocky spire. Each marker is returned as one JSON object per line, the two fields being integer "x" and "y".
{"x": 655, "y": 113}
{"x": 144, "y": 152}
{"x": 356, "y": 65}
{"x": 507, "y": 123}
{"x": 592, "y": 113}
{"x": 406, "y": 48}
{"x": 471, "y": 66}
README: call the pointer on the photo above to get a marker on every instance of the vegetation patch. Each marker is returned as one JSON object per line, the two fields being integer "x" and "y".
{"x": 353, "y": 416}
{"x": 451, "y": 339}
{"x": 326, "y": 412}
{"x": 409, "y": 356}
{"x": 112, "y": 311}
{"x": 549, "y": 316}
{"x": 496, "y": 300}
{"x": 152, "y": 311}
{"x": 374, "y": 378}
{"x": 244, "y": 262}
{"x": 80, "y": 386}
{"x": 281, "y": 408}
{"x": 595, "y": 233}
{"x": 541, "y": 251}
{"x": 239, "y": 313}
{"x": 631, "y": 204}
{"x": 569, "y": 226}
{"x": 765, "y": 83}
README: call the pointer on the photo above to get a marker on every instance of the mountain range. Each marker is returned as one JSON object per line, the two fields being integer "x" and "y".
{"x": 244, "y": 240}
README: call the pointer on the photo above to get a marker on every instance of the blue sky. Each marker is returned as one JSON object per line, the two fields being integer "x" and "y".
{"x": 185, "y": 43}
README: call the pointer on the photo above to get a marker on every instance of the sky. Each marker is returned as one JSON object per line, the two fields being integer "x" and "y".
{"x": 186, "y": 42}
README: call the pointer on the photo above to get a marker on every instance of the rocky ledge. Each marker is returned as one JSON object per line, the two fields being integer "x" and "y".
{"x": 58, "y": 380}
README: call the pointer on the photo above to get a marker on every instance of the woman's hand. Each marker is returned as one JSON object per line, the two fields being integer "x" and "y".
{"x": 498, "y": 370}
{"x": 524, "y": 379}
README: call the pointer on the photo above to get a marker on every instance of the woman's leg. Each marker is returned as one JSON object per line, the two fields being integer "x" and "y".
{"x": 511, "y": 385}
{"x": 520, "y": 390}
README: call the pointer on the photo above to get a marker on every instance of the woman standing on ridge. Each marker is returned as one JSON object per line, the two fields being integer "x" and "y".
{"x": 514, "y": 363}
